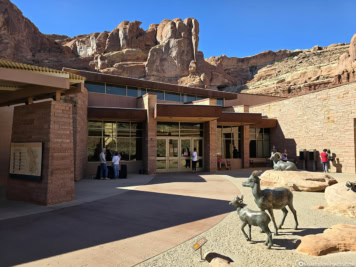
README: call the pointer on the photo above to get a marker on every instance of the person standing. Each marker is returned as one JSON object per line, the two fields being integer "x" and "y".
{"x": 194, "y": 159}
{"x": 116, "y": 163}
{"x": 103, "y": 166}
{"x": 325, "y": 160}
{"x": 285, "y": 156}
{"x": 273, "y": 150}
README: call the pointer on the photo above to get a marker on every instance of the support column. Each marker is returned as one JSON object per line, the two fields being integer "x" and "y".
{"x": 6, "y": 114}
{"x": 79, "y": 102}
{"x": 210, "y": 146}
{"x": 246, "y": 146}
{"x": 50, "y": 123}
{"x": 150, "y": 134}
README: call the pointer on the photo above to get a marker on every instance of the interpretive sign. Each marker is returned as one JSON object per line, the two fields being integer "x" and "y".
{"x": 26, "y": 161}
{"x": 199, "y": 245}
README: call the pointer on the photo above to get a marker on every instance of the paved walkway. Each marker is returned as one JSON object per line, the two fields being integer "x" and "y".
{"x": 122, "y": 229}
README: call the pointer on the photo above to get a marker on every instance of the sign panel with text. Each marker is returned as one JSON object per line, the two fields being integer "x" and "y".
{"x": 26, "y": 161}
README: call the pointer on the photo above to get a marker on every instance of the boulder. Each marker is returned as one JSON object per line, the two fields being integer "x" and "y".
{"x": 170, "y": 59}
{"x": 126, "y": 55}
{"x": 339, "y": 238}
{"x": 297, "y": 180}
{"x": 217, "y": 260}
{"x": 340, "y": 200}
{"x": 166, "y": 30}
{"x": 127, "y": 69}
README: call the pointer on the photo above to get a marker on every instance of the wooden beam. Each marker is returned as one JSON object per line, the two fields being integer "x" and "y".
{"x": 9, "y": 88}
{"x": 58, "y": 95}
{"x": 25, "y": 93}
{"x": 30, "y": 77}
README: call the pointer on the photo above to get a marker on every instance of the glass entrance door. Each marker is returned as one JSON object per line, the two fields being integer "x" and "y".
{"x": 174, "y": 154}
{"x": 198, "y": 145}
{"x": 185, "y": 154}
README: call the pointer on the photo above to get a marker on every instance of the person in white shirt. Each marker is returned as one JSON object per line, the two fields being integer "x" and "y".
{"x": 194, "y": 160}
{"x": 103, "y": 166}
{"x": 116, "y": 163}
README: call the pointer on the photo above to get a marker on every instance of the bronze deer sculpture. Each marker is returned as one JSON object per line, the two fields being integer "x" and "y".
{"x": 251, "y": 217}
{"x": 270, "y": 199}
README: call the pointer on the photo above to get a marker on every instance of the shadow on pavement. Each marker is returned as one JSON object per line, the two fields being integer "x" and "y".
{"x": 178, "y": 178}
{"x": 134, "y": 213}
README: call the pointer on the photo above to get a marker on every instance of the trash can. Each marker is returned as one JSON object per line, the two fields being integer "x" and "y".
{"x": 123, "y": 171}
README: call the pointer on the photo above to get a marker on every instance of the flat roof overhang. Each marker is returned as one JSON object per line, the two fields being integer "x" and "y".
{"x": 266, "y": 123}
{"x": 140, "y": 83}
{"x": 238, "y": 119}
{"x": 187, "y": 113}
{"x": 114, "y": 113}
{"x": 19, "y": 82}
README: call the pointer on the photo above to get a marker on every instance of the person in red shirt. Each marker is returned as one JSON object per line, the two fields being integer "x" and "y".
{"x": 325, "y": 160}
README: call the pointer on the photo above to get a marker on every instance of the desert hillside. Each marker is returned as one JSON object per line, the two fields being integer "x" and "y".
{"x": 169, "y": 52}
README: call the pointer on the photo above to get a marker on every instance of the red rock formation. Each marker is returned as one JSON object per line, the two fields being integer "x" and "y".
{"x": 338, "y": 238}
{"x": 169, "y": 52}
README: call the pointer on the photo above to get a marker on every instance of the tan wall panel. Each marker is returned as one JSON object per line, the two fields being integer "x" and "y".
{"x": 318, "y": 120}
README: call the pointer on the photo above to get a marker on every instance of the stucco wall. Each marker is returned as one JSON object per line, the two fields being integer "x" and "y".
{"x": 6, "y": 115}
{"x": 250, "y": 100}
{"x": 324, "y": 119}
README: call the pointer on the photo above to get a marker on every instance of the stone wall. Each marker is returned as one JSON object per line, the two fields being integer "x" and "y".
{"x": 50, "y": 123}
{"x": 325, "y": 119}
{"x": 5, "y": 139}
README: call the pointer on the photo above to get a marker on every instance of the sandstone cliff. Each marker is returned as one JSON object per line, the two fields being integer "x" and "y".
{"x": 168, "y": 52}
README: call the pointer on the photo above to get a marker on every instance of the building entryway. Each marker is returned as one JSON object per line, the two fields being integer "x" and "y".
{"x": 174, "y": 153}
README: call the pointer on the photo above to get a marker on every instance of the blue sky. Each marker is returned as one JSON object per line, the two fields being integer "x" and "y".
{"x": 236, "y": 28}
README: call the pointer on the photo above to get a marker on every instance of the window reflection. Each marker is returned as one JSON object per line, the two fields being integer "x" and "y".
{"x": 122, "y": 137}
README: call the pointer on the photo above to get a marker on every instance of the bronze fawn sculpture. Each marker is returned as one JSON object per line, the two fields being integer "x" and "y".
{"x": 270, "y": 199}
{"x": 255, "y": 218}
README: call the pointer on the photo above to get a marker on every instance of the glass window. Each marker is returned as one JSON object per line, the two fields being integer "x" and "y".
{"x": 142, "y": 91}
{"x": 229, "y": 141}
{"x": 167, "y": 128}
{"x": 172, "y": 97}
{"x": 94, "y": 148}
{"x": 259, "y": 142}
{"x": 160, "y": 94}
{"x": 191, "y": 129}
{"x": 161, "y": 147}
{"x": 116, "y": 89}
{"x": 189, "y": 98}
{"x": 220, "y": 102}
{"x": 123, "y": 147}
{"x": 95, "y": 87}
{"x": 132, "y": 91}
{"x": 123, "y": 137}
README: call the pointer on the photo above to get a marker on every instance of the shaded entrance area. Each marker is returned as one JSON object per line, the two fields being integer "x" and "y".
{"x": 121, "y": 230}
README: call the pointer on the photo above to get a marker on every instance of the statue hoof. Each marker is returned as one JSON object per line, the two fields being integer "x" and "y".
{"x": 247, "y": 239}
{"x": 276, "y": 233}
{"x": 280, "y": 227}
{"x": 269, "y": 246}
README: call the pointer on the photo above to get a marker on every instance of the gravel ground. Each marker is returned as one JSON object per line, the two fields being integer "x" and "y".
{"x": 226, "y": 237}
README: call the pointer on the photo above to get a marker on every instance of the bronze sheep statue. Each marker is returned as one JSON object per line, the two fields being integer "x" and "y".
{"x": 255, "y": 218}
{"x": 280, "y": 165}
{"x": 270, "y": 199}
